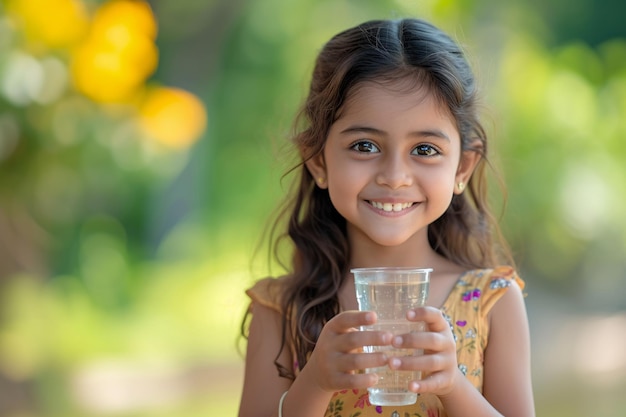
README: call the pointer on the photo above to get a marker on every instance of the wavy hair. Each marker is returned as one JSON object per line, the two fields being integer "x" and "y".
{"x": 467, "y": 233}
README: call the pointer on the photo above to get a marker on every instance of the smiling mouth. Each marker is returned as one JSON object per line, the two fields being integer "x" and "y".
{"x": 389, "y": 207}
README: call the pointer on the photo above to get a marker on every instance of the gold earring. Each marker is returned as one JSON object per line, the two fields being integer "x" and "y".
{"x": 321, "y": 180}
{"x": 461, "y": 186}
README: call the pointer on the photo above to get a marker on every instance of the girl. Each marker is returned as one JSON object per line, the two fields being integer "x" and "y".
{"x": 392, "y": 174}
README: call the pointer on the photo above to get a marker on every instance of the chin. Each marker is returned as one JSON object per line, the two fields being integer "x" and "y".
{"x": 390, "y": 241}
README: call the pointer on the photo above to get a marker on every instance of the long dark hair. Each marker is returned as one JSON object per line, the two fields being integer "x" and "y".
{"x": 467, "y": 234}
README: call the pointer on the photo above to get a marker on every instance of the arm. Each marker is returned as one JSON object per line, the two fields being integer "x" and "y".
{"x": 331, "y": 367}
{"x": 507, "y": 387}
{"x": 262, "y": 386}
{"x": 507, "y": 384}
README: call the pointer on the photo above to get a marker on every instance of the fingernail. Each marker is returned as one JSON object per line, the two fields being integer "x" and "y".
{"x": 397, "y": 340}
{"x": 411, "y": 314}
{"x": 394, "y": 362}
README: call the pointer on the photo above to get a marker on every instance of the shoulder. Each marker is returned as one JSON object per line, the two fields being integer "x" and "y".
{"x": 493, "y": 279}
{"x": 504, "y": 284}
{"x": 504, "y": 277}
{"x": 487, "y": 286}
{"x": 268, "y": 292}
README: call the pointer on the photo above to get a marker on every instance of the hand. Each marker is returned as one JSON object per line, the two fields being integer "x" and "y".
{"x": 438, "y": 362}
{"x": 338, "y": 353}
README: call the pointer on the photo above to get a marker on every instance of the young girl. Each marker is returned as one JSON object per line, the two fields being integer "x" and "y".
{"x": 392, "y": 174}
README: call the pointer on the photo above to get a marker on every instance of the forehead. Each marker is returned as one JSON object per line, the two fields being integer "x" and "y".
{"x": 387, "y": 99}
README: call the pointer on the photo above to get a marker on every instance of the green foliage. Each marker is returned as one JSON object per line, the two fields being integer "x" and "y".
{"x": 562, "y": 147}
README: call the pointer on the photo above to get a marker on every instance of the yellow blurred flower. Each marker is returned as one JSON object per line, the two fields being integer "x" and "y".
{"x": 50, "y": 23}
{"x": 172, "y": 117}
{"x": 117, "y": 57}
{"x": 129, "y": 15}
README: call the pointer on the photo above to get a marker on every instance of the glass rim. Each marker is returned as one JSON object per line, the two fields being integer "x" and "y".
{"x": 392, "y": 269}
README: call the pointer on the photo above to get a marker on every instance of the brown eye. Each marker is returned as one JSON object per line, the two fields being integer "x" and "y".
{"x": 425, "y": 150}
{"x": 365, "y": 147}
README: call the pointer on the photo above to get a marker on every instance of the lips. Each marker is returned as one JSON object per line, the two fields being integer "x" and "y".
{"x": 389, "y": 207}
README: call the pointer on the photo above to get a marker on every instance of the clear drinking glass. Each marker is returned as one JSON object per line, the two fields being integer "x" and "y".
{"x": 391, "y": 292}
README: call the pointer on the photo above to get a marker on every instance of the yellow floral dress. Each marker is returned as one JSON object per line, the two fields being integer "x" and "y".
{"x": 466, "y": 309}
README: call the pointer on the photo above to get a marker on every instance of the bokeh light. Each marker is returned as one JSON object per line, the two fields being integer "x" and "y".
{"x": 50, "y": 24}
{"x": 119, "y": 54}
{"x": 172, "y": 117}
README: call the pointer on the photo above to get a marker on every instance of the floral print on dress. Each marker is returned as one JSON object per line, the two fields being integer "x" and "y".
{"x": 499, "y": 283}
{"x": 363, "y": 401}
{"x": 472, "y": 295}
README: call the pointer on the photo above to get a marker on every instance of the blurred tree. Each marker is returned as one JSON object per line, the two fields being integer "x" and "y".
{"x": 559, "y": 95}
{"x": 84, "y": 132}
{"x": 191, "y": 59}
{"x": 587, "y": 21}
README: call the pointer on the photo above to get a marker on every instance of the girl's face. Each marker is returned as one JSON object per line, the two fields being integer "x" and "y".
{"x": 391, "y": 163}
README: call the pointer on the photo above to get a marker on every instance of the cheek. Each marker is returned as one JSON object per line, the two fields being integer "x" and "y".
{"x": 442, "y": 176}
{"x": 342, "y": 182}
{"x": 342, "y": 172}
{"x": 444, "y": 192}
{"x": 440, "y": 185}
{"x": 345, "y": 183}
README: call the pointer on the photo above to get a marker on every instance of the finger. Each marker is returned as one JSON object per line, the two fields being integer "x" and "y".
{"x": 347, "y": 381}
{"x": 355, "y": 362}
{"x": 349, "y": 320}
{"x": 433, "y": 318}
{"x": 429, "y": 341}
{"x": 425, "y": 363}
{"x": 436, "y": 382}
{"x": 359, "y": 339}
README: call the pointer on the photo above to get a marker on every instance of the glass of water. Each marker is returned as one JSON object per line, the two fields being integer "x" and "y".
{"x": 391, "y": 292}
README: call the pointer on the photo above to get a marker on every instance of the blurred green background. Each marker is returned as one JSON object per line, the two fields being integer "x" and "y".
{"x": 141, "y": 154}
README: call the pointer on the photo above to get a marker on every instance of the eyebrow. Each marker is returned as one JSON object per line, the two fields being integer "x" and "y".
{"x": 420, "y": 133}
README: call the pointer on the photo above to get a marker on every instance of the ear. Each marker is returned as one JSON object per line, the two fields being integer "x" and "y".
{"x": 467, "y": 164}
{"x": 317, "y": 168}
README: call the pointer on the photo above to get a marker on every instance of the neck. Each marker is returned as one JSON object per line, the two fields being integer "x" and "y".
{"x": 416, "y": 252}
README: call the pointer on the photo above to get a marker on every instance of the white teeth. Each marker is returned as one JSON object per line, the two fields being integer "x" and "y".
{"x": 391, "y": 207}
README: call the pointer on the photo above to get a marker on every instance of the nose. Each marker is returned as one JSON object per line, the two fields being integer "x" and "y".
{"x": 395, "y": 171}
